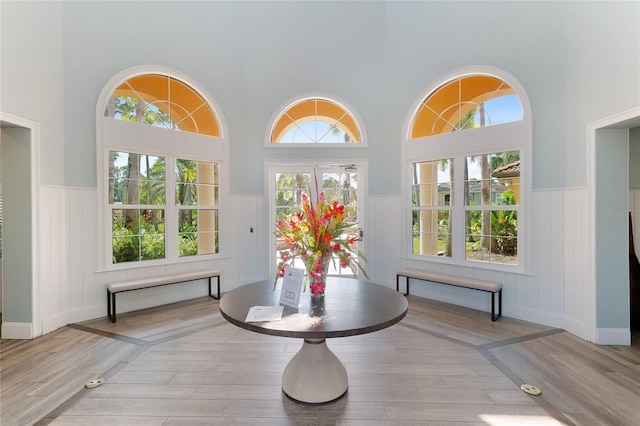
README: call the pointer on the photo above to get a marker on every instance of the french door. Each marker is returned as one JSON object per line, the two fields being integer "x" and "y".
{"x": 342, "y": 183}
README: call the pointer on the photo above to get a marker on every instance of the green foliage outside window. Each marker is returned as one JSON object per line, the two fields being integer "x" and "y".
{"x": 142, "y": 242}
{"x": 188, "y": 241}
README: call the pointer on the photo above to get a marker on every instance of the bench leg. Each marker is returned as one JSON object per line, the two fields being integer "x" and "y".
{"x": 111, "y": 306}
{"x": 218, "y": 282}
{"x": 398, "y": 284}
{"x": 495, "y": 316}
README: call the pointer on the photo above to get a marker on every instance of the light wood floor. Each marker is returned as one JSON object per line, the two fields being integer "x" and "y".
{"x": 442, "y": 365}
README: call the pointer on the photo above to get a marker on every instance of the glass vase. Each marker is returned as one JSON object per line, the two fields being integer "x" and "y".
{"x": 318, "y": 279}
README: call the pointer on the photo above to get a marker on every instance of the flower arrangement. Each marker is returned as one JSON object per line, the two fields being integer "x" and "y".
{"x": 316, "y": 235}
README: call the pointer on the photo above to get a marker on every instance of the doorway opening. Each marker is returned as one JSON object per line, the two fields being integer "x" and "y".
{"x": 19, "y": 148}
{"x": 339, "y": 182}
{"x": 611, "y": 185}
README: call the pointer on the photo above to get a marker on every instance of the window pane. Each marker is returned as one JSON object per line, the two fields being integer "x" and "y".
{"x": 124, "y": 175}
{"x": 343, "y": 188}
{"x": 188, "y": 232}
{"x": 493, "y": 179}
{"x": 198, "y": 232}
{"x": 186, "y": 194}
{"x": 122, "y": 108}
{"x": 432, "y": 232}
{"x": 208, "y": 195}
{"x": 492, "y": 236}
{"x": 125, "y": 248}
{"x": 207, "y": 173}
{"x": 152, "y": 246}
{"x": 466, "y": 103}
{"x": 152, "y": 221}
{"x": 315, "y": 121}
{"x": 116, "y": 190}
{"x": 196, "y": 183}
{"x": 125, "y": 232}
{"x": 136, "y": 178}
{"x": 286, "y": 198}
{"x": 432, "y": 183}
{"x": 290, "y": 187}
{"x": 207, "y": 231}
{"x": 162, "y": 101}
{"x": 137, "y": 235}
{"x": 152, "y": 180}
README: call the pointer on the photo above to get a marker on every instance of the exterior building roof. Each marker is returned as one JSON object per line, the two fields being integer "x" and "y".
{"x": 508, "y": 171}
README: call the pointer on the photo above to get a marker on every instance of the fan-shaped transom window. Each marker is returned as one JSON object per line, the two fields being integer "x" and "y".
{"x": 315, "y": 121}
{"x": 464, "y": 103}
{"x": 162, "y": 101}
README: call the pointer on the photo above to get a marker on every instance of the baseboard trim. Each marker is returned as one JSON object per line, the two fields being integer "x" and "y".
{"x": 17, "y": 330}
{"x": 87, "y": 313}
{"x": 613, "y": 336}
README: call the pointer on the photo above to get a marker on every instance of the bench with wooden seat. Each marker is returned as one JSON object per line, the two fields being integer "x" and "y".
{"x": 493, "y": 287}
{"x": 140, "y": 283}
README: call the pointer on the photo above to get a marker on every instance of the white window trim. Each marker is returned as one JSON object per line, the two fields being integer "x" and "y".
{"x": 315, "y": 95}
{"x": 480, "y": 140}
{"x": 216, "y": 150}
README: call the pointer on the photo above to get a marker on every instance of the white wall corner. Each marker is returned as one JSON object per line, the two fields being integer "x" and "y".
{"x": 17, "y": 330}
{"x": 576, "y": 327}
{"x": 54, "y": 322}
{"x": 536, "y": 316}
{"x": 613, "y": 336}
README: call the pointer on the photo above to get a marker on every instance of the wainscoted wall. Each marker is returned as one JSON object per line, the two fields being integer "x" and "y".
{"x": 577, "y": 298}
{"x": 72, "y": 289}
{"x": 55, "y": 290}
{"x": 537, "y": 296}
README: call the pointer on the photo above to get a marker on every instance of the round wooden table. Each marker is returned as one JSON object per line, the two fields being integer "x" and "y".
{"x": 350, "y": 307}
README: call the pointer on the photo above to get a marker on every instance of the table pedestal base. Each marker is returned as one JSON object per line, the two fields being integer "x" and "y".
{"x": 315, "y": 375}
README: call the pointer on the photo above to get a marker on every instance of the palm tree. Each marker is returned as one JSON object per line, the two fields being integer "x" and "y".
{"x": 485, "y": 188}
{"x": 186, "y": 177}
{"x": 468, "y": 121}
{"x": 132, "y": 191}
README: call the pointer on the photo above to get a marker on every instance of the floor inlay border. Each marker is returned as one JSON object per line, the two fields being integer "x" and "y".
{"x": 484, "y": 349}
{"x": 110, "y": 335}
{"x": 143, "y": 346}
{"x": 519, "y": 339}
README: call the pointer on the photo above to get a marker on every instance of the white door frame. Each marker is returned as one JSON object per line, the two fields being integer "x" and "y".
{"x": 626, "y": 119}
{"x": 363, "y": 179}
{"x": 21, "y": 330}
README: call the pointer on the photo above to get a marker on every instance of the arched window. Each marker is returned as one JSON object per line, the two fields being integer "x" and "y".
{"x": 467, "y": 148}
{"x": 464, "y": 103}
{"x": 162, "y": 101}
{"x": 316, "y": 120}
{"x": 161, "y": 184}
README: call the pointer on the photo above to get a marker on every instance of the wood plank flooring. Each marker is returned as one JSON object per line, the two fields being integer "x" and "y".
{"x": 442, "y": 365}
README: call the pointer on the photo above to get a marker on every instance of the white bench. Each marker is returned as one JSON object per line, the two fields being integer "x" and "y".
{"x": 493, "y": 287}
{"x": 140, "y": 283}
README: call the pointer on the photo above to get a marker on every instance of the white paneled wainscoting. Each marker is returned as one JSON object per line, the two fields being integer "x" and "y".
{"x": 72, "y": 288}
{"x": 538, "y": 294}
